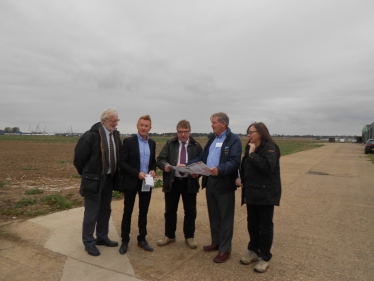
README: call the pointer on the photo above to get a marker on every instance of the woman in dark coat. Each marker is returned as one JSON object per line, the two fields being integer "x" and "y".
{"x": 260, "y": 176}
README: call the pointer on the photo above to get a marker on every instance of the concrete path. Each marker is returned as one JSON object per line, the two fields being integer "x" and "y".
{"x": 324, "y": 230}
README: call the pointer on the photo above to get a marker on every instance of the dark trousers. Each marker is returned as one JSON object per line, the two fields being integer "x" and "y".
{"x": 96, "y": 214}
{"x": 221, "y": 210}
{"x": 180, "y": 188}
{"x": 129, "y": 201}
{"x": 261, "y": 229}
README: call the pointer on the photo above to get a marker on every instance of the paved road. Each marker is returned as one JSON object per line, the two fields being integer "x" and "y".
{"x": 324, "y": 230}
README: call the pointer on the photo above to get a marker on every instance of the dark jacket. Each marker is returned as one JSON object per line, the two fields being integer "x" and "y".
{"x": 130, "y": 162}
{"x": 231, "y": 152}
{"x": 91, "y": 159}
{"x": 169, "y": 155}
{"x": 260, "y": 174}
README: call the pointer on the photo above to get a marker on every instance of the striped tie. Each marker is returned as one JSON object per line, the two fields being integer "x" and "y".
{"x": 112, "y": 161}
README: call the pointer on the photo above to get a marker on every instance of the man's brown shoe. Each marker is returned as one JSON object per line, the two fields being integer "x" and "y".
{"x": 210, "y": 248}
{"x": 222, "y": 257}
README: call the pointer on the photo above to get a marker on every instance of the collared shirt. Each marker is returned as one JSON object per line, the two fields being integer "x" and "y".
{"x": 107, "y": 132}
{"x": 179, "y": 157}
{"x": 145, "y": 154}
{"x": 215, "y": 150}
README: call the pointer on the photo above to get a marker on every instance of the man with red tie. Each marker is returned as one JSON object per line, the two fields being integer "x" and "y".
{"x": 179, "y": 150}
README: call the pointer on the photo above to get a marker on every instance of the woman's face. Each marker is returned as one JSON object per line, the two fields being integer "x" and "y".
{"x": 253, "y": 135}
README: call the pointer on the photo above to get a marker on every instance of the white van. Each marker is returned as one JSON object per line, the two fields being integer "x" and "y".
{"x": 341, "y": 140}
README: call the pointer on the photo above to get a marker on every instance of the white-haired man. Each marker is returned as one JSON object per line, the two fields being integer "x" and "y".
{"x": 96, "y": 159}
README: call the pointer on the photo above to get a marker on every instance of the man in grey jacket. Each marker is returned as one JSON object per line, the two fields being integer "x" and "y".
{"x": 96, "y": 159}
{"x": 179, "y": 150}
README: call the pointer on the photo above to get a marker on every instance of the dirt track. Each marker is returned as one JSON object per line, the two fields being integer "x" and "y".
{"x": 324, "y": 230}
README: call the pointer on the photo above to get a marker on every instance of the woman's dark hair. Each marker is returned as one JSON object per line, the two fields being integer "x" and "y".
{"x": 263, "y": 131}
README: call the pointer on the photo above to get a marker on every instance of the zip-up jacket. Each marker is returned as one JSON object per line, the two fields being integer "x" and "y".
{"x": 260, "y": 172}
{"x": 229, "y": 162}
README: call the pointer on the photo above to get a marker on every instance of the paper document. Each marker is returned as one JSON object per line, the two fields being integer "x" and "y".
{"x": 147, "y": 183}
{"x": 195, "y": 168}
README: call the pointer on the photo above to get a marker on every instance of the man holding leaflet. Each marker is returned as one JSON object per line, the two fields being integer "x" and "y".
{"x": 177, "y": 184}
{"x": 137, "y": 159}
{"x": 222, "y": 155}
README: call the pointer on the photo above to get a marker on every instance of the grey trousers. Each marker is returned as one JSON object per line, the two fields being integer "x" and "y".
{"x": 221, "y": 210}
{"x": 97, "y": 214}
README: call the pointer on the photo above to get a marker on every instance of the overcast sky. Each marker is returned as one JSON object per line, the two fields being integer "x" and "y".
{"x": 301, "y": 67}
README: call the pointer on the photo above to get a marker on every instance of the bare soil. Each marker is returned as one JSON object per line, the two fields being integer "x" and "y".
{"x": 42, "y": 169}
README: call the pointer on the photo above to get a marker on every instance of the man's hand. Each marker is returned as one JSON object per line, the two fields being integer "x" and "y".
{"x": 142, "y": 176}
{"x": 194, "y": 175}
{"x": 152, "y": 173}
{"x": 214, "y": 171}
{"x": 167, "y": 168}
{"x": 238, "y": 182}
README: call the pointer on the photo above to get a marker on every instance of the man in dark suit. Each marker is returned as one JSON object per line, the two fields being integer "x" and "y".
{"x": 96, "y": 159}
{"x": 137, "y": 159}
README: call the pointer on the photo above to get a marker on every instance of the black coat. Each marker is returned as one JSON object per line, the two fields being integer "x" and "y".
{"x": 130, "y": 162}
{"x": 260, "y": 173}
{"x": 91, "y": 159}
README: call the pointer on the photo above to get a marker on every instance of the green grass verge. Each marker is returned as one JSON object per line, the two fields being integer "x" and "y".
{"x": 371, "y": 157}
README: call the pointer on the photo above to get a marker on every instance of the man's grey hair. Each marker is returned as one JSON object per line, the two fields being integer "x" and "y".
{"x": 222, "y": 117}
{"x": 107, "y": 113}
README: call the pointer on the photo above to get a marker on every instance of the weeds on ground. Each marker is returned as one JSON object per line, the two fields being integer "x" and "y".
{"x": 28, "y": 168}
{"x": 76, "y": 176}
{"x": 117, "y": 195}
{"x": 4, "y": 184}
{"x": 34, "y": 191}
{"x": 57, "y": 201}
{"x": 8, "y": 236}
{"x": 10, "y": 212}
{"x": 159, "y": 183}
{"x": 25, "y": 202}
{"x": 158, "y": 173}
{"x": 65, "y": 161}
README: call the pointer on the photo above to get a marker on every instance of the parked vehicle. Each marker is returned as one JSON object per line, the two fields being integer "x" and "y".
{"x": 369, "y": 146}
{"x": 341, "y": 140}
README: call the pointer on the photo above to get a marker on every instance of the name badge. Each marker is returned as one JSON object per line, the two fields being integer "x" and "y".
{"x": 219, "y": 144}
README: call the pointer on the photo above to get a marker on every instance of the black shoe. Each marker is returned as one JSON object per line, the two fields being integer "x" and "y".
{"x": 145, "y": 246}
{"x": 123, "y": 248}
{"x": 92, "y": 250}
{"x": 107, "y": 242}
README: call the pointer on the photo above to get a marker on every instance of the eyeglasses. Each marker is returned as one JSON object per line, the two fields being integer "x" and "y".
{"x": 113, "y": 121}
{"x": 183, "y": 132}
{"x": 251, "y": 132}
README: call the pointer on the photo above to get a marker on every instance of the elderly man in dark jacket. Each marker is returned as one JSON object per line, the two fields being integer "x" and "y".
{"x": 96, "y": 159}
{"x": 177, "y": 151}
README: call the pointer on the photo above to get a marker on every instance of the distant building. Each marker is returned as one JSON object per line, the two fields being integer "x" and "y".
{"x": 2, "y": 132}
{"x": 367, "y": 132}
